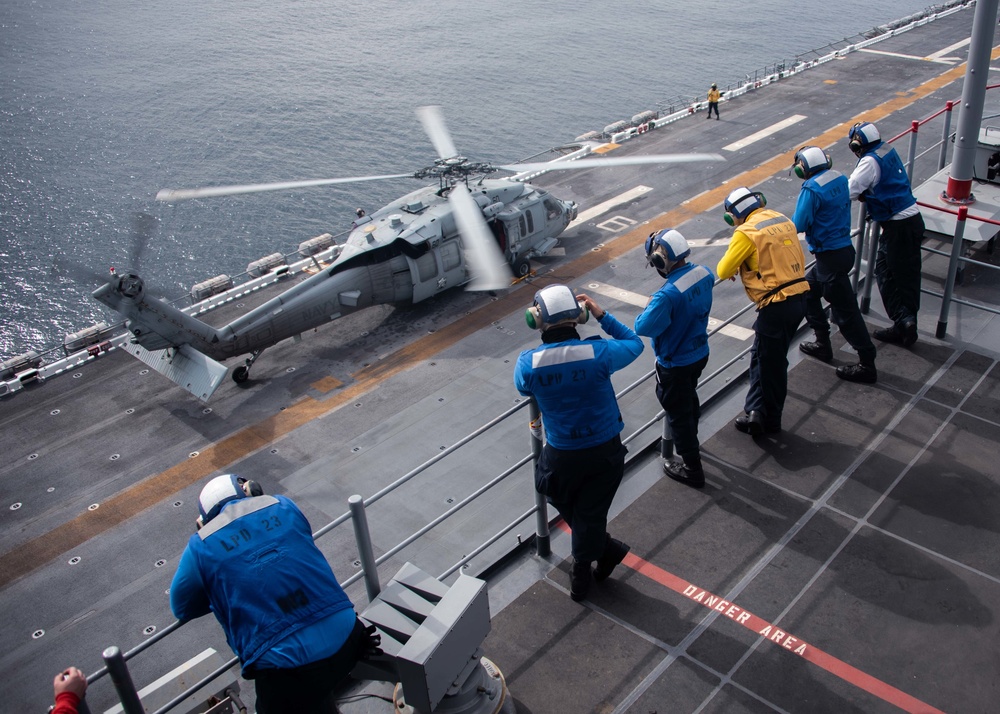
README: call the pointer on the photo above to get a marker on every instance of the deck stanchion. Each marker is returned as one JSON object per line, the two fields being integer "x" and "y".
{"x": 365, "y": 551}
{"x": 543, "y": 545}
{"x": 911, "y": 159}
{"x": 122, "y": 680}
{"x": 943, "y": 154}
{"x": 870, "y": 242}
{"x": 666, "y": 440}
{"x": 949, "y": 285}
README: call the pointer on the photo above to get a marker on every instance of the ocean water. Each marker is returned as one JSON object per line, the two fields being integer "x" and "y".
{"x": 104, "y": 102}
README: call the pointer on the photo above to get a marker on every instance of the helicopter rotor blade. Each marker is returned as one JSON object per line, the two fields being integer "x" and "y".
{"x": 172, "y": 195}
{"x": 143, "y": 229}
{"x": 490, "y": 269}
{"x": 433, "y": 123}
{"x": 612, "y": 161}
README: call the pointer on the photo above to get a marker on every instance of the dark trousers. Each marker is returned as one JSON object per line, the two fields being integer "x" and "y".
{"x": 677, "y": 390}
{"x": 311, "y": 688}
{"x": 830, "y": 279}
{"x": 773, "y": 332}
{"x": 897, "y": 268}
{"x": 711, "y": 106}
{"x": 581, "y": 485}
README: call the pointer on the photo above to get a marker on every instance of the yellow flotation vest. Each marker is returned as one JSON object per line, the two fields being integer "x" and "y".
{"x": 780, "y": 269}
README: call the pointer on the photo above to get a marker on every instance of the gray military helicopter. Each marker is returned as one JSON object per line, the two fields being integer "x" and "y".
{"x": 468, "y": 230}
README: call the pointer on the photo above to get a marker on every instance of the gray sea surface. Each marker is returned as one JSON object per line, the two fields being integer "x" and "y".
{"x": 104, "y": 102}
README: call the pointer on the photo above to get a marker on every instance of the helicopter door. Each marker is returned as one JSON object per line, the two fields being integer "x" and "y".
{"x": 440, "y": 268}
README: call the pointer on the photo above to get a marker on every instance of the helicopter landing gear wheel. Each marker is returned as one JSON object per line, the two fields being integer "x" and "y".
{"x": 521, "y": 267}
{"x": 242, "y": 374}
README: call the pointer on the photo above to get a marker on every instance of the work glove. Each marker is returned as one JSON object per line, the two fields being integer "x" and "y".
{"x": 370, "y": 646}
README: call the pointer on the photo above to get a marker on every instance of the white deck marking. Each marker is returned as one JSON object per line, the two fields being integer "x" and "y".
{"x": 929, "y": 58}
{"x": 764, "y": 133}
{"x": 941, "y": 53}
{"x": 600, "y": 208}
{"x": 627, "y": 296}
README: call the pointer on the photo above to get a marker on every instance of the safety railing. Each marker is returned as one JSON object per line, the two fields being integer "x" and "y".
{"x": 956, "y": 259}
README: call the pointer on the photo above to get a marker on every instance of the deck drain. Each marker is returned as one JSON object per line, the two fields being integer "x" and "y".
{"x": 178, "y": 504}
{"x": 115, "y": 457}
{"x": 143, "y": 372}
{"x": 274, "y": 451}
{"x": 290, "y": 370}
{"x": 37, "y": 633}
{"x": 50, "y": 489}
{"x": 356, "y": 449}
{"x": 77, "y": 375}
{"x": 32, "y": 457}
{"x": 357, "y": 563}
{"x": 193, "y": 454}
{"x": 130, "y": 410}
{"x": 54, "y": 412}
{"x": 74, "y": 560}
{"x": 149, "y": 630}
{"x": 206, "y": 410}
{"x": 93, "y": 506}
{"x": 160, "y": 563}
{"x": 15, "y": 506}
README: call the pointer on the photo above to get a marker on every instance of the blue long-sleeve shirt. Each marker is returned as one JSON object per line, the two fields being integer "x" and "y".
{"x": 571, "y": 381}
{"x": 676, "y": 317}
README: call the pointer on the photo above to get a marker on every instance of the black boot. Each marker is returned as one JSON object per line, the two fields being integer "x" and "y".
{"x": 821, "y": 349}
{"x": 689, "y": 472}
{"x": 861, "y": 372}
{"x": 579, "y": 581}
{"x": 614, "y": 553}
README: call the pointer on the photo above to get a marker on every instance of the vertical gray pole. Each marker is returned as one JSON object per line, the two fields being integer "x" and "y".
{"x": 543, "y": 545}
{"x": 949, "y": 285}
{"x": 667, "y": 439}
{"x": 945, "y": 135}
{"x": 970, "y": 114}
{"x": 858, "y": 248}
{"x": 122, "y": 680}
{"x": 912, "y": 156}
{"x": 366, "y": 553}
{"x": 870, "y": 243}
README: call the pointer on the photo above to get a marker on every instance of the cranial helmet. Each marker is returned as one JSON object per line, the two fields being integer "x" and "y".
{"x": 741, "y": 203}
{"x": 810, "y": 160}
{"x": 665, "y": 248}
{"x": 220, "y": 491}
{"x": 714, "y": 86}
{"x": 863, "y": 137}
{"x": 553, "y": 305}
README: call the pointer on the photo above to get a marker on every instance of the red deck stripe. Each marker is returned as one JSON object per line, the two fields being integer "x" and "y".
{"x": 838, "y": 668}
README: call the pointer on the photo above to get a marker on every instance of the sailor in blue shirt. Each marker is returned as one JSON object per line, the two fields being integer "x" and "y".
{"x": 253, "y": 563}
{"x": 583, "y": 459}
{"x": 676, "y": 317}
{"x": 880, "y": 181}
{"x": 823, "y": 213}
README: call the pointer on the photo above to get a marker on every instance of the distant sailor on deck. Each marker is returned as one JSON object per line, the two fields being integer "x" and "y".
{"x": 766, "y": 253}
{"x": 880, "y": 181}
{"x": 676, "y": 317}
{"x": 254, "y": 564}
{"x": 713, "y": 100}
{"x": 583, "y": 459}
{"x": 823, "y": 213}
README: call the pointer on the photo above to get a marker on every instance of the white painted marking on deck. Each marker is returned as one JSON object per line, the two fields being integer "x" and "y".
{"x": 602, "y": 208}
{"x": 764, "y": 133}
{"x": 941, "y": 53}
{"x": 948, "y": 60}
{"x": 632, "y": 298}
{"x": 617, "y": 224}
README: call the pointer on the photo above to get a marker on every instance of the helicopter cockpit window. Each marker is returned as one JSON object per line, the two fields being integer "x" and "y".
{"x": 552, "y": 207}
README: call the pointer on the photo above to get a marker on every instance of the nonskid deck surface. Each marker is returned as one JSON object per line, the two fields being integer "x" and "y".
{"x": 793, "y": 531}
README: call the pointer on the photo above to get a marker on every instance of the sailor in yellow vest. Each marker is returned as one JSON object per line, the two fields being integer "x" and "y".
{"x": 766, "y": 252}
{"x": 713, "y": 101}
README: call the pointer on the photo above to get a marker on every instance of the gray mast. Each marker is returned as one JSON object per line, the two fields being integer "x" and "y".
{"x": 970, "y": 116}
